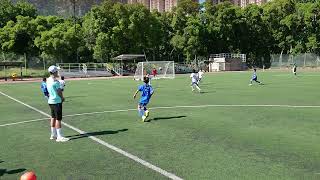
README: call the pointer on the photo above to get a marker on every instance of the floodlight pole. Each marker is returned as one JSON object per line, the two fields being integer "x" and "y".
{"x": 75, "y": 24}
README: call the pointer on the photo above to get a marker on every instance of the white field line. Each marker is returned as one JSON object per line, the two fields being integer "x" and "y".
{"x": 171, "y": 107}
{"x": 299, "y": 74}
{"x": 23, "y": 122}
{"x": 118, "y": 150}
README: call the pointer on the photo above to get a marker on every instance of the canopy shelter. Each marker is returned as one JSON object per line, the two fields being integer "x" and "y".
{"x": 129, "y": 57}
{"x": 126, "y": 63}
{"x": 7, "y": 64}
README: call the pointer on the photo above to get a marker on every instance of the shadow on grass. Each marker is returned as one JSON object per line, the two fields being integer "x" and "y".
{"x": 73, "y": 97}
{"x": 166, "y": 118}
{"x": 206, "y": 84}
{"x": 97, "y": 133}
{"x": 13, "y": 171}
{"x": 207, "y": 92}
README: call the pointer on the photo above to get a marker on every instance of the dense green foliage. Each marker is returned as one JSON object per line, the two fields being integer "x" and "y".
{"x": 190, "y": 30}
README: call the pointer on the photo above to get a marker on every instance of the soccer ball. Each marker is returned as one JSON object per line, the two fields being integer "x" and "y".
{"x": 160, "y": 68}
{"x": 28, "y": 176}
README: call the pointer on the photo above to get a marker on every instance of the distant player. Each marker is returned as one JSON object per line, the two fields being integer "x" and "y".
{"x": 154, "y": 72}
{"x": 294, "y": 69}
{"x": 194, "y": 80}
{"x": 254, "y": 77}
{"x": 44, "y": 88}
{"x": 62, "y": 83}
{"x": 146, "y": 94}
{"x": 200, "y": 75}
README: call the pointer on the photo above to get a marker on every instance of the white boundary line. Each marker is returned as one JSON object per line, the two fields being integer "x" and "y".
{"x": 170, "y": 107}
{"x": 23, "y": 122}
{"x": 118, "y": 150}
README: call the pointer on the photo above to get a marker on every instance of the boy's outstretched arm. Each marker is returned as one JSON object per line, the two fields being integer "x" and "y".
{"x": 152, "y": 92}
{"x": 135, "y": 94}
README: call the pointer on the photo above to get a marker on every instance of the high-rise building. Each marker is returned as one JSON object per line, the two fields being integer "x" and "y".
{"x": 159, "y": 5}
{"x": 169, "y": 4}
{"x": 146, "y": 3}
{"x": 236, "y": 2}
{"x": 245, "y": 3}
{"x": 242, "y": 3}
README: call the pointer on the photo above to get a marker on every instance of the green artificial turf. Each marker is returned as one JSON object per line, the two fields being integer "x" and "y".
{"x": 201, "y": 142}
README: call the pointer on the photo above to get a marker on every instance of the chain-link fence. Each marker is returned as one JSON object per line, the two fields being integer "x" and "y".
{"x": 301, "y": 60}
{"x": 33, "y": 66}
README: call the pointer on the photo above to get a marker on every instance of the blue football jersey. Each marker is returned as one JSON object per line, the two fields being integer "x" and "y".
{"x": 44, "y": 88}
{"x": 254, "y": 76}
{"x": 146, "y": 93}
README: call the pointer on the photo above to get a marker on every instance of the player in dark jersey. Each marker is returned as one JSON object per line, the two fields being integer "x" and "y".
{"x": 254, "y": 77}
{"x": 294, "y": 69}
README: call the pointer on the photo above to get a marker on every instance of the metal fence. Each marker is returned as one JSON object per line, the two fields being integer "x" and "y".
{"x": 301, "y": 60}
{"x": 243, "y": 57}
{"x": 84, "y": 69}
{"x": 33, "y": 66}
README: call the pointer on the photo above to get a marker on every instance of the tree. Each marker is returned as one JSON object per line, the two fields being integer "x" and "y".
{"x": 98, "y": 19}
{"x": 257, "y": 41}
{"x": 61, "y": 42}
{"x": 281, "y": 20}
{"x": 9, "y": 11}
{"x": 18, "y": 36}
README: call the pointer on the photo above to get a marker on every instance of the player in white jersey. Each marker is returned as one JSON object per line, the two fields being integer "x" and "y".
{"x": 200, "y": 75}
{"x": 194, "y": 81}
{"x": 62, "y": 83}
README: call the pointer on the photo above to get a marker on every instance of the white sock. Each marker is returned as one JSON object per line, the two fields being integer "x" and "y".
{"x": 59, "y": 133}
{"x": 53, "y": 131}
{"x": 198, "y": 88}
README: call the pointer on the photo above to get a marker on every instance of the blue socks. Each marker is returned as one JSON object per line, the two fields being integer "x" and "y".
{"x": 141, "y": 112}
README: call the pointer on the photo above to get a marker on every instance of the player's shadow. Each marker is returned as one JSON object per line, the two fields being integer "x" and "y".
{"x": 206, "y": 84}
{"x": 166, "y": 118}
{"x": 74, "y": 97}
{"x": 97, "y": 133}
{"x": 13, "y": 171}
{"x": 71, "y": 98}
{"x": 207, "y": 92}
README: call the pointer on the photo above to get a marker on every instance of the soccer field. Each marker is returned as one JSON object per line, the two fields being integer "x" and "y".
{"x": 230, "y": 131}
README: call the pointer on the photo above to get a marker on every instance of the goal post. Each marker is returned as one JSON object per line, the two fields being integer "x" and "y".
{"x": 163, "y": 69}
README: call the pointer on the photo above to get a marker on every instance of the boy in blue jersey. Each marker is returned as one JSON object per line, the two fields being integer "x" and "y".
{"x": 146, "y": 94}
{"x": 254, "y": 77}
{"x": 44, "y": 88}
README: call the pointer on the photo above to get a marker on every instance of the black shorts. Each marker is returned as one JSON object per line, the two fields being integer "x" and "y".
{"x": 56, "y": 111}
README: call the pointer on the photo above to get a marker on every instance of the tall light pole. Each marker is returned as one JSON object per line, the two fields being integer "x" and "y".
{"x": 75, "y": 24}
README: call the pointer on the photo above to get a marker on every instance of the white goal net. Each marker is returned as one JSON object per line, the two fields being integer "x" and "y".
{"x": 161, "y": 69}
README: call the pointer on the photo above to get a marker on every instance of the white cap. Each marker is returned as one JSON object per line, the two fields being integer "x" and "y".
{"x": 53, "y": 69}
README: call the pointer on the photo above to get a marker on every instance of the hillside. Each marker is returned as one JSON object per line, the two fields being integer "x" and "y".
{"x": 63, "y": 7}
